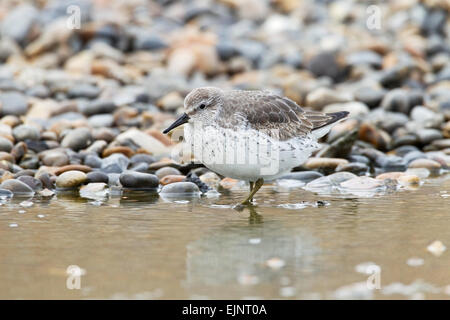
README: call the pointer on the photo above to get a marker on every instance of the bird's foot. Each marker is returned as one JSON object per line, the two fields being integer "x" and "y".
{"x": 242, "y": 205}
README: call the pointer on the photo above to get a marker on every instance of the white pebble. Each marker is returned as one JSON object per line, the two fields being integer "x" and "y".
{"x": 437, "y": 248}
{"x": 254, "y": 241}
{"x": 26, "y": 204}
{"x": 275, "y": 263}
{"x": 415, "y": 262}
{"x": 13, "y": 225}
{"x": 287, "y": 292}
{"x": 248, "y": 279}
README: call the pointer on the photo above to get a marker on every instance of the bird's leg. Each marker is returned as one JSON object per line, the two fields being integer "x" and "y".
{"x": 256, "y": 186}
{"x": 251, "y": 189}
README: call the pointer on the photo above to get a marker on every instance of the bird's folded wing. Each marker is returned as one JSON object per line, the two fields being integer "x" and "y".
{"x": 276, "y": 116}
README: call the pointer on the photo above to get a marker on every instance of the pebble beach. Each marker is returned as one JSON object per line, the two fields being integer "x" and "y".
{"x": 84, "y": 98}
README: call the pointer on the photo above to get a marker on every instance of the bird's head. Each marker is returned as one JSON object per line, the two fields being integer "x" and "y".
{"x": 199, "y": 105}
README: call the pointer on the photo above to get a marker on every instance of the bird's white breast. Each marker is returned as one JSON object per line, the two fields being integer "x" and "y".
{"x": 246, "y": 154}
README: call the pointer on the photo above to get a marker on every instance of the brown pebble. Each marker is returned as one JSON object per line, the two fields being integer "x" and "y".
{"x": 446, "y": 130}
{"x": 377, "y": 137}
{"x": 6, "y": 176}
{"x": 409, "y": 179}
{"x": 6, "y": 156}
{"x": 106, "y": 134}
{"x": 127, "y": 151}
{"x": 19, "y": 150}
{"x": 8, "y": 136}
{"x": 332, "y": 163}
{"x": 390, "y": 175}
{"x": 165, "y": 162}
{"x": 70, "y": 167}
{"x": 171, "y": 179}
{"x": 10, "y": 120}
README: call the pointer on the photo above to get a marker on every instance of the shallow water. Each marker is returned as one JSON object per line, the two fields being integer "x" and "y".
{"x": 141, "y": 246}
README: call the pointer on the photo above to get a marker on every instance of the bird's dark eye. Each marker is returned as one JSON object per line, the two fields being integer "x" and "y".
{"x": 202, "y": 106}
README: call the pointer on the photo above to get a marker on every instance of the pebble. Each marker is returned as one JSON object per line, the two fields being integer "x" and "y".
{"x": 275, "y": 263}
{"x": 46, "y": 193}
{"x": 96, "y": 190}
{"x": 329, "y": 182}
{"x": 72, "y": 167}
{"x": 362, "y": 183}
{"x": 13, "y": 103}
{"x": 17, "y": 187}
{"x": 97, "y": 176}
{"x": 142, "y": 157}
{"x": 45, "y": 179}
{"x": 5, "y": 145}
{"x": 437, "y": 248}
{"x": 441, "y": 143}
{"x": 97, "y": 147}
{"x": 77, "y": 139}
{"x": 165, "y": 171}
{"x": 391, "y": 163}
{"x": 390, "y": 175}
{"x": 414, "y": 155}
{"x": 377, "y": 137}
{"x": 128, "y": 152}
{"x": 353, "y": 167}
{"x": 171, "y": 178}
{"x": 304, "y": 176}
{"x": 19, "y": 22}
{"x": 322, "y": 97}
{"x": 426, "y": 136}
{"x": 139, "y": 180}
{"x": 433, "y": 166}
{"x": 426, "y": 117}
{"x": 101, "y": 120}
{"x": 398, "y": 100}
{"x": 115, "y": 163}
{"x": 415, "y": 262}
{"x": 93, "y": 161}
{"x": 144, "y": 141}
{"x": 370, "y": 96}
{"x": 71, "y": 179}
{"x": 422, "y": 173}
{"x": 409, "y": 180}
{"x": 84, "y": 90}
{"x": 6, "y": 194}
{"x": 97, "y": 107}
{"x": 326, "y": 164}
{"x": 25, "y": 132}
{"x": 325, "y": 64}
{"x": 180, "y": 188}
{"x": 32, "y": 182}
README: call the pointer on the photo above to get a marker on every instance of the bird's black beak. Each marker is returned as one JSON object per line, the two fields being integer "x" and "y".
{"x": 181, "y": 120}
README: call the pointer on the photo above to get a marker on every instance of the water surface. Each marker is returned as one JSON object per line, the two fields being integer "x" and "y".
{"x": 141, "y": 246}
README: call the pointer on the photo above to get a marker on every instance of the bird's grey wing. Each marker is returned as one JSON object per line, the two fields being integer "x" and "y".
{"x": 276, "y": 116}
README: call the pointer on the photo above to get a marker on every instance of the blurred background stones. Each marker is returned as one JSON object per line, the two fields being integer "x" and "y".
{"x": 87, "y": 105}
